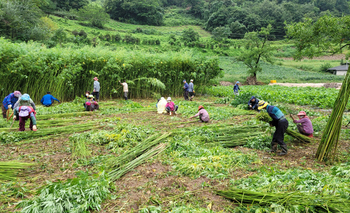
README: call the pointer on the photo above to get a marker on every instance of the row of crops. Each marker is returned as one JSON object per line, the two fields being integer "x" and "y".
{"x": 318, "y": 97}
{"x": 34, "y": 69}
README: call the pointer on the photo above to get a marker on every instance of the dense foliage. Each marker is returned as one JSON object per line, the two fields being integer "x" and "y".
{"x": 36, "y": 69}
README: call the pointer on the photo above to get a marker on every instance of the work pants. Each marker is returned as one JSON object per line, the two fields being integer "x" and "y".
{"x": 281, "y": 128}
{"x": 96, "y": 95}
{"x": 4, "y": 111}
{"x": 22, "y": 123}
{"x": 186, "y": 95}
{"x": 126, "y": 95}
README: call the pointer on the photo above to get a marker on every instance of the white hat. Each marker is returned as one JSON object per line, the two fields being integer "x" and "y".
{"x": 169, "y": 99}
{"x": 191, "y": 79}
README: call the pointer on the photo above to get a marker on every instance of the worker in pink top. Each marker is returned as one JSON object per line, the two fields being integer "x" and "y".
{"x": 304, "y": 124}
{"x": 170, "y": 106}
{"x": 203, "y": 115}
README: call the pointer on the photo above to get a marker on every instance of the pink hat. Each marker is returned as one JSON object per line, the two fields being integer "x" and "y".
{"x": 17, "y": 94}
{"x": 96, "y": 78}
{"x": 302, "y": 113}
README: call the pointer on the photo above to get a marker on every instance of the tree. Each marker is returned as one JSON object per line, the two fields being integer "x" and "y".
{"x": 257, "y": 48}
{"x": 70, "y": 4}
{"x": 238, "y": 30}
{"x": 94, "y": 14}
{"x": 327, "y": 34}
{"x": 190, "y": 35}
{"x": 221, "y": 33}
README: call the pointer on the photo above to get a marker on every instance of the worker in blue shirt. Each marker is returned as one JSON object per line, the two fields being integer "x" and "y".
{"x": 185, "y": 87}
{"x": 281, "y": 124}
{"x": 236, "y": 88}
{"x": 48, "y": 99}
{"x": 9, "y": 102}
{"x": 253, "y": 103}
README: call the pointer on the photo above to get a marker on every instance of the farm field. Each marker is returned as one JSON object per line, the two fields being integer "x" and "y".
{"x": 126, "y": 158}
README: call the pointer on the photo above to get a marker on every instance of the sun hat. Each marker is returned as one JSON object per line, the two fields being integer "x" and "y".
{"x": 191, "y": 79}
{"x": 169, "y": 99}
{"x": 184, "y": 81}
{"x": 17, "y": 94}
{"x": 25, "y": 97}
{"x": 95, "y": 78}
{"x": 302, "y": 113}
{"x": 262, "y": 104}
{"x": 200, "y": 107}
{"x": 237, "y": 82}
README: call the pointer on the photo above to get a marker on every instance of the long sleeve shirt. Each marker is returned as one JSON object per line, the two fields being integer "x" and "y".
{"x": 11, "y": 99}
{"x": 171, "y": 105}
{"x": 48, "y": 99}
{"x": 190, "y": 87}
{"x": 28, "y": 111}
{"x": 19, "y": 103}
{"x": 186, "y": 87}
{"x": 236, "y": 88}
{"x": 203, "y": 114}
{"x": 254, "y": 104}
{"x": 306, "y": 125}
{"x": 97, "y": 86}
{"x": 275, "y": 113}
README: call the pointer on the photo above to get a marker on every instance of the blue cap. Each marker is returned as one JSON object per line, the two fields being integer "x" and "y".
{"x": 183, "y": 80}
{"x": 25, "y": 97}
{"x": 237, "y": 82}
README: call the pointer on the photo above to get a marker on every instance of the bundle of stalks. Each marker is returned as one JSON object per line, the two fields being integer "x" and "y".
{"x": 330, "y": 137}
{"x": 263, "y": 116}
{"x": 45, "y": 123}
{"x": 137, "y": 150}
{"x": 120, "y": 171}
{"x": 10, "y": 169}
{"x": 321, "y": 204}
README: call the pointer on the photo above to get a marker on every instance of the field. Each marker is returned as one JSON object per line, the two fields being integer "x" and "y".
{"x": 126, "y": 158}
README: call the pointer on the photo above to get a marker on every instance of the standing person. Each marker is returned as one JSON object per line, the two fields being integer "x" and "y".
{"x": 236, "y": 88}
{"x": 9, "y": 102}
{"x": 253, "y": 103}
{"x": 185, "y": 87}
{"x": 304, "y": 124}
{"x": 24, "y": 113}
{"x": 203, "y": 115}
{"x": 48, "y": 99}
{"x": 281, "y": 124}
{"x": 97, "y": 88}
{"x": 191, "y": 89}
{"x": 170, "y": 107}
{"x": 125, "y": 89}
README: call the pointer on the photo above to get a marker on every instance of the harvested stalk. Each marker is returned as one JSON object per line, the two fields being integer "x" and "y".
{"x": 10, "y": 169}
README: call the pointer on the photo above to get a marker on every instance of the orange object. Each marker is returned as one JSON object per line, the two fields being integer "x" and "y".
{"x": 200, "y": 107}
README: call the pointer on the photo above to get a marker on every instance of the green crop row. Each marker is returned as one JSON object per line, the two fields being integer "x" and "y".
{"x": 35, "y": 69}
{"x": 319, "y": 97}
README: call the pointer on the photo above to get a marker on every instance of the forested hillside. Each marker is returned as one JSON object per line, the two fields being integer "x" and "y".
{"x": 27, "y": 20}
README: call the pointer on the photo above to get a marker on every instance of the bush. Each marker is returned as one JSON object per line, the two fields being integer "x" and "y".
{"x": 94, "y": 14}
{"x": 325, "y": 67}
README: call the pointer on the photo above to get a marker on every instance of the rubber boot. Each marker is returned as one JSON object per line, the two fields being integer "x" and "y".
{"x": 284, "y": 150}
{"x": 273, "y": 147}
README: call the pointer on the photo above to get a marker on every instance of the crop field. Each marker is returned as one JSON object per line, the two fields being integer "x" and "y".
{"x": 127, "y": 158}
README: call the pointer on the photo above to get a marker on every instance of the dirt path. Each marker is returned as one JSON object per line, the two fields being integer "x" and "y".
{"x": 328, "y": 85}
{"x": 326, "y": 57}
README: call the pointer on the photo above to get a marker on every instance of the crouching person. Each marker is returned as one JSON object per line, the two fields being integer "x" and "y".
{"x": 170, "y": 107}
{"x": 304, "y": 124}
{"x": 90, "y": 104}
{"x": 24, "y": 113}
{"x": 203, "y": 115}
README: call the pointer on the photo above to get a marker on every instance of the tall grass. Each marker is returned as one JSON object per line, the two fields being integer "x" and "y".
{"x": 68, "y": 72}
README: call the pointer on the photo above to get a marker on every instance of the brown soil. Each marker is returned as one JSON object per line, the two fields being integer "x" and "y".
{"x": 328, "y": 57}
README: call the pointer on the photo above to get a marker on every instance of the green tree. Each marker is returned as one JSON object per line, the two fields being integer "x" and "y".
{"x": 190, "y": 35}
{"x": 238, "y": 30}
{"x": 221, "y": 33}
{"x": 70, "y": 4}
{"x": 257, "y": 48}
{"x": 94, "y": 14}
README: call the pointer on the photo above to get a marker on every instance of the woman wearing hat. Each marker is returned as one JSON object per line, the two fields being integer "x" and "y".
{"x": 304, "y": 124}
{"x": 170, "y": 107}
{"x": 97, "y": 88}
{"x": 191, "y": 89}
{"x": 236, "y": 88}
{"x": 185, "y": 87}
{"x": 9, "y": 102}
{"x": 203, "y": 114}
{"x": 24, "y": 113}
{"x": 281, "y": 124}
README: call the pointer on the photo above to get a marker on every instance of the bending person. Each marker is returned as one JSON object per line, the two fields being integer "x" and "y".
{"x": 48, "y": 99}
{"x": 304, "y": 124}
{"x": 24, "y": 113}
{"x": 281, "y": 124}
{"x": 203, "y": 115}
{"x": 253, "y": 103}
{"x": 170, "y": 107}
{"x": 9, "y": 102}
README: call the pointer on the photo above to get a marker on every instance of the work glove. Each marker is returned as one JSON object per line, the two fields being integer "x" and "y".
{"x": 34, "y": 128}
{"x": 9, "y": 106}
{"x": 14, "y": 117}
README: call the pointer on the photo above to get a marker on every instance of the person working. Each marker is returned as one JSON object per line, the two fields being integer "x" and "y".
{"x": 24, "y": 113}
{"x": 9, "y": 102}
{"x": 48, "y": 99}
{"x": 97, "y": 88}
{"x": 281, "y": 124}
{"x": 161, "y": 105}
{"x": 185, "y": 87}
{"x": 191, "y": 90}
{"x": 304, "y": 124}
{"x": 253, "y": 103}
{"x": 203, "y": 115}
{"x": 170, "y": 107}
{"x": 90, "y": 104}
{"x": 125, "y": 89}
{"x": 236, "y": 88}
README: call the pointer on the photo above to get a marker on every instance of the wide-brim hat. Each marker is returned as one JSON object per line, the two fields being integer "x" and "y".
{"x": 262, "y": 104}
{"x": 200, "y": 107}
{"x": 302, "y": 113}
{"x": 95, "y": 78}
